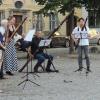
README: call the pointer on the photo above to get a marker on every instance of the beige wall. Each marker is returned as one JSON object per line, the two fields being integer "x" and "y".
{"x": 27, "y": 10}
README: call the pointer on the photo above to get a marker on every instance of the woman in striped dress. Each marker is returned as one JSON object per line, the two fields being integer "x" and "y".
{"x": 10, "y": 58}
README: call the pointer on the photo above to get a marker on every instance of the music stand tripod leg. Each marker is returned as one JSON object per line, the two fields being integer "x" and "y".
{"x": 52, "y": 63}
{"x": 27, "y": 80}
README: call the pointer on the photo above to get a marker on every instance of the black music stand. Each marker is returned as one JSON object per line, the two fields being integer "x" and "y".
{"x": 31, "y": 72}
{"x": 27, "y": 78}
{"x": 45, "y": 43}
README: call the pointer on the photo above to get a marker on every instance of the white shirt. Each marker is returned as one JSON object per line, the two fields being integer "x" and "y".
{"x": 2, "y": 30}
{"x": 82, "y": 34}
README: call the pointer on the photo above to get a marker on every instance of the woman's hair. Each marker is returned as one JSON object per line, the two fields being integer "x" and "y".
{"x": 10, "y": 17}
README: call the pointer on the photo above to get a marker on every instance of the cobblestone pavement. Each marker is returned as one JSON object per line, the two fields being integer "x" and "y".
{"x": 65, "y": 85}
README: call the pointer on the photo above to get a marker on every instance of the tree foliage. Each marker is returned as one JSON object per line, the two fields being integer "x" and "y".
{"x": 63, "y": 6}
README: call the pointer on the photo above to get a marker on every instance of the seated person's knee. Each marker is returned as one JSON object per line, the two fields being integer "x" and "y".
{"x": 41, "y": 59}
{"x": 51, "y": 57}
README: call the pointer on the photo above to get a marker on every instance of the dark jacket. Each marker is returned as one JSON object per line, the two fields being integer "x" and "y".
{"x": 35, "y": 45}
{"x": 1, "y": 38}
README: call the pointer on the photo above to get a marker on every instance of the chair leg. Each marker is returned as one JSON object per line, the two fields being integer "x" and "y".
{"x": 43, "y": 67}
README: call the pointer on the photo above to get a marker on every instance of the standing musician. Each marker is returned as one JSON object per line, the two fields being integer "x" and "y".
{"x": 83, "y": 43}
{"x": 2, "y": 47}
{"x": 10, "y": 58}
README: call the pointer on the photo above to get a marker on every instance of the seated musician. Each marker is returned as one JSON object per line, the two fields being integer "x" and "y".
{"x": 38, "y": 53}
{"x": 21, "y": 45}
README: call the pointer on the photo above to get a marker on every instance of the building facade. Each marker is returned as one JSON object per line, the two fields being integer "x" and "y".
{"x": 93, "y": 18}
{"x": 22, "y": 8}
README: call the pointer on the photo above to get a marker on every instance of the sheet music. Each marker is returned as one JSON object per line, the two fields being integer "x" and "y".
{"x": 81, "y": 35}
{"x": 44, "y": 43}
{"x": 29, "y": 35}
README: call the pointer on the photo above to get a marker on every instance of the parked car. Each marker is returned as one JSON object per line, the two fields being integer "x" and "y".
{"x": 95, "y": 38}
{"x": 60, "y": 41}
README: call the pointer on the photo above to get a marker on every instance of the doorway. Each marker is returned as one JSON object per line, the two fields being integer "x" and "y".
{"x": 18, "y": 20}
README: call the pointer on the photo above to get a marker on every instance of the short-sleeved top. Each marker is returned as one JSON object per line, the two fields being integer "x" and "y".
{"x": 82, "y": 34}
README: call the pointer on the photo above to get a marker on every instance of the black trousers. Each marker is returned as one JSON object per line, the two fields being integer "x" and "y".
{"x": 41, "y": 57}
{"x": 1, "y": 71}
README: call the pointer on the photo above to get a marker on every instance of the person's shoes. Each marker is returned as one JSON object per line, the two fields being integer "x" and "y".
{"x": 9, "y": 73}
{"x": 20, "y": 70}
{"x": 3, "y": 78}
{"x": 36, "y": 67}
{"x": 1, "y": 75}
{"x": 36, "y": 71}
{"x": 80, "y": 69}
{"x": 49, "y": 70}
{"x": 89, "y": 70}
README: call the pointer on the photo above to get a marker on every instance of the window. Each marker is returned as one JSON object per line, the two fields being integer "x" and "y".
{"x": 33, "y": 1}
{"x": 53, "y": 21}
{"x": 0, "y": 2}
{"x": 18, "y": 4}
{"x": 1, "y": 16}
{"x": 39, "y": 23}
{"x": 94, "y": 19}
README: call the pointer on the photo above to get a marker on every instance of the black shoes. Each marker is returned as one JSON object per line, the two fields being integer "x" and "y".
{"x": 80, "y": 69}
{"x": 1, "y": 75}
{"x": 89, "y": 70}
{"x": 9, "y": 73}
{"x": 36, "y": 71}
{"x": 49, "y": 70}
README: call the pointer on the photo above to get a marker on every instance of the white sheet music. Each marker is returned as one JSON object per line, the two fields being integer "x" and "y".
{"x": 29, "y": 35}
{"x": 44, "y": 43}
{"x": 2, "y": 30}
{"x": 81, "y": 35}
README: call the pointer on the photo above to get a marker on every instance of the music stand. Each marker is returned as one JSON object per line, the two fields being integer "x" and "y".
{"x": 27, "y": 78}
{"x": 45, "y": 43}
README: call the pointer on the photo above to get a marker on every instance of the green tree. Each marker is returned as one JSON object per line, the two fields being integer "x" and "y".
{"x": 60, "y": 6}
{"x": 93, "y": 7}
{"x": 63, "y": 6}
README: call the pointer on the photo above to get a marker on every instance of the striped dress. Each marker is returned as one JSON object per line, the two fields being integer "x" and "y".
{"x": 10, "y": 57}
